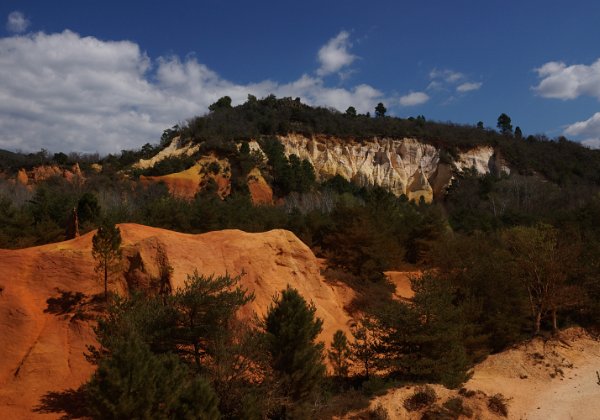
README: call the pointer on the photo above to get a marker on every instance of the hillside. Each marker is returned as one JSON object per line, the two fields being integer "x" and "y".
{"x": 539, "y": 380}
{"x": 500, "y": 229}
{"x": 45, "y": 325}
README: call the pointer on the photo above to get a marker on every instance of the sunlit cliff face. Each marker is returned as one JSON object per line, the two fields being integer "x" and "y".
{"x": 403, "y": 166}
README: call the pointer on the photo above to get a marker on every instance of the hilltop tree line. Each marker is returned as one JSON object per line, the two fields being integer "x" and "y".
{"x": 558, "y": 160}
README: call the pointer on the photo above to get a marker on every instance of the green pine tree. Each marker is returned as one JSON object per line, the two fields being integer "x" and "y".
{"x": 206, "y": 306}
{"x": 424, "y": 339}
{"x": 134, "y": 383}
{"x": 339, "y": 354}
{"x": 291, "y": 330}
{"x": 106, "y": 250}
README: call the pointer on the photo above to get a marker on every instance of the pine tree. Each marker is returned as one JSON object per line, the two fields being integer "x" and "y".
{"x": 504, "y": 124}
{"x": 134, "y": 383}
{"x": 424, "y": 340}
{"x": 291, "y": 330}
{"x": 206, "y": 306}
{"x": 339, "y": 354}
{"x": 380, "y": 110}
{"x": 363, "y": 350}
{"x": 106, "y": 250}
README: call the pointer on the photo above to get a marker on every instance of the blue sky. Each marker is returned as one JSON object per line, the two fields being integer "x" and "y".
{"x": 102, "y": 76}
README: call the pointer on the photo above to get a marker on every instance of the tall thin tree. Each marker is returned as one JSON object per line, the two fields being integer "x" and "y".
{"x": 106, "y": 250}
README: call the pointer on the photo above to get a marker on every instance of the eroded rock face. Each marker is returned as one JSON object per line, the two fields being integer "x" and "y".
{"x": 172, "y": 150}
{"x": 260, "y": 191}
{"x": 186, "y": 184}
{"x": 44, "y": 172}
{"x": 403, "y": 166}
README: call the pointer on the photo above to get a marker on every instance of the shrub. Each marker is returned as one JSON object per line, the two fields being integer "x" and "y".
{"x": 378, "y": 413}
{"x": 452, "y": 409}
{"x": 455, "y": 406}
{"x": 374, "y": 386}
{"x": 436, "y": 412}
{"x": 468, "y": 393}
{"x": 214, "y": 168}
{"x": 423, "y": 397}
{"x": 498, "y": 404}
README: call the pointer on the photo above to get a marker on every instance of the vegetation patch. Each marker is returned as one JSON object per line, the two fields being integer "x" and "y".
{"x": 422, "y": 397}
{"x": 498, "y": 404}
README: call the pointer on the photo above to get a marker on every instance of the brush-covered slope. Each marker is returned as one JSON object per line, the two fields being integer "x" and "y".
{"x": 50, "y": 292}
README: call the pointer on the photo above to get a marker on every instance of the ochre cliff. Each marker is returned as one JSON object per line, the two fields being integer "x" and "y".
{"x": 48, "y": 293}
{"x": 44, "y": 172}
{"x": 186, "y": 184}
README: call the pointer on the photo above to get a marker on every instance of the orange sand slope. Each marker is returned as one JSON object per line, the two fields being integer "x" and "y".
{"x": 43, "y": 344}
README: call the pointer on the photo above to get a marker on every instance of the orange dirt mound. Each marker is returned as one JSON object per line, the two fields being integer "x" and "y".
{"x": 401, "y": 280}
{"x": 43, "y": 341}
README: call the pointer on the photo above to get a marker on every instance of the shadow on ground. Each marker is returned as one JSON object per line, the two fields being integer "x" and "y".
{"x": 70, "y": 403}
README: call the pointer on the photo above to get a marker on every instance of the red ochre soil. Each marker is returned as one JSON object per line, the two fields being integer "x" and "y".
{"x": 43, "y": 342}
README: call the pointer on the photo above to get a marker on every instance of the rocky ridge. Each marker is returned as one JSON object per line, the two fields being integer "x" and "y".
{"x": 403, "y": 166}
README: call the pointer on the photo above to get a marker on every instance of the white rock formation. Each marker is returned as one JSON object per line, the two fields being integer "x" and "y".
{"x": 173, "y": 149}
{"x": 404, "y": 166}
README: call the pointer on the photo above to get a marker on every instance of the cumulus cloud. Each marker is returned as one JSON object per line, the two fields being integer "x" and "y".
{"x": 588, "y": 129}
{"x": 66, "y": 92}
{"x": 334, "y": 55}
{"x": 17, "y": 22}
{"x": 468, "y": 87}
{"x": 414, "y": 98}
{"x": 560, "y": 81}
{"x": 592, "y": 143}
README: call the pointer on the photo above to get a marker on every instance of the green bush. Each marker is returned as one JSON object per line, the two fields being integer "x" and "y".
{"x": 374, "y": 386}
{"x": 456, "y": 407}
{"x": 498, "y": 404}
{"x": 422, "y": 397}
{"x": 378, "y": 413}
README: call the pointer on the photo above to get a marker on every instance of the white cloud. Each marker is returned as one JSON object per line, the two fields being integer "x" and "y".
{"x": 17, "y": 22}
{"x": 449, "y": 76}
{"x": 66, "y": 92}
{"x": 589, "y": 130}
{"x": 568, "y": 82}
{"x": 468, "y": 87}
{"x": 446, "y": 80}
{"x": 414, "y": 98}
{"x": 334, "y": 55}
{"x": 435, "y": 85}
{"x": 592, "y": 143}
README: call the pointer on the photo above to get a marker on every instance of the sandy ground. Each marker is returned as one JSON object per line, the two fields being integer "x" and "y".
{"x": 541, "y": 380}
{"x": 575, "y": 398}
{"x": 546, "y": 380}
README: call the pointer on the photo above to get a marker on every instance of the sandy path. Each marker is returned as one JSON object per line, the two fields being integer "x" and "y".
{"x": 577, "y": 397}
{"x": 554, "y": 380}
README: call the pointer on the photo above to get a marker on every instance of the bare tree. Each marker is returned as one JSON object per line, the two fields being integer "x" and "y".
{"x": 542, "y": 263}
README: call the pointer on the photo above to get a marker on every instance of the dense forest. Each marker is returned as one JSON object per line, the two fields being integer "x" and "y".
{"x": 504, "y": 257}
